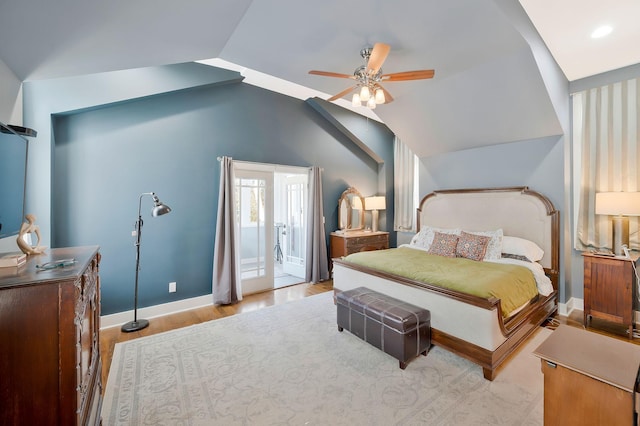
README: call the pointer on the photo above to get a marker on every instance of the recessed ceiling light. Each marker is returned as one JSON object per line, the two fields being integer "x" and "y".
{"x": 601, "y": 31}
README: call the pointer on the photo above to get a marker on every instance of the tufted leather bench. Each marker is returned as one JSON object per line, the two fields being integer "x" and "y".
{"x": 399, "y": 329}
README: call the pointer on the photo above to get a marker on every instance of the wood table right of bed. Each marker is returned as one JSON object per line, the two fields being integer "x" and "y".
{"x": 589, "y": 378}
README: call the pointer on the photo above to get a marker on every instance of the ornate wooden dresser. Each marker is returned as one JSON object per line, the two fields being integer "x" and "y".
{"x": 343, "y": 244}
{"x": 50, "y": 367}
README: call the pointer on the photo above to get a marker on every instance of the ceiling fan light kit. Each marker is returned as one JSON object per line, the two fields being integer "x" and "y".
{"x": 368, "y": 77}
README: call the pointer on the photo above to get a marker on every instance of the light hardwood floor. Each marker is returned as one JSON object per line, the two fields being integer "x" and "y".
{"x": 110, "y": 336}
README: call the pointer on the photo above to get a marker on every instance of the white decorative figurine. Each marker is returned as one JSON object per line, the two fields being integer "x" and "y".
{"x": 27, "y": 228}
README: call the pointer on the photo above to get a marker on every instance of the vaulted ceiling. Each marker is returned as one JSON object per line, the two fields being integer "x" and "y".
{"x": 488, "y": 88}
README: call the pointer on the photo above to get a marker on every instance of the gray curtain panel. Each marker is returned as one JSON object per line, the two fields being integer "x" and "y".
{"x": 317, "y": 264}
{"x": 226, "y": 275}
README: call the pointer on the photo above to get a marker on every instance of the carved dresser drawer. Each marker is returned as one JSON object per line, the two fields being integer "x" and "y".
{"x": 343, "y": 244}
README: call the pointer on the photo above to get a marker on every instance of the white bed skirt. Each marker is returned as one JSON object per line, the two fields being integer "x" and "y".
{"x": 464, "y": 321}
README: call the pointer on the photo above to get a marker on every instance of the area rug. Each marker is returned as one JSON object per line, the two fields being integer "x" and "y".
{"x": 288, "y": 365}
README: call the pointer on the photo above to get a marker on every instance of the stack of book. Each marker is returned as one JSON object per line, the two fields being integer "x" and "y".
{"x": 13, "y": 259}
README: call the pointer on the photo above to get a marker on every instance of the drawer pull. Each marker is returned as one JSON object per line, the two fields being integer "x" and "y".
{"x": 551, "y": 364}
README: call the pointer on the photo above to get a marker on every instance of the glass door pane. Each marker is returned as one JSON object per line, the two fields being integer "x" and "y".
{"x": 253, "y": 213}
{"x": 295, "y": 238}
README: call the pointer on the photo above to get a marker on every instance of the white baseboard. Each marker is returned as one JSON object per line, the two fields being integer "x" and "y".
{"x": 117, "y": 319}
{"x": 565, "y": 309}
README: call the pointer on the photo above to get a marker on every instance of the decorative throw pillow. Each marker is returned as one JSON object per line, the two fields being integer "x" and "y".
{"x": 444, "y": 244}
{"x": 494, "y": 247}
{"x": 472, "y": 246}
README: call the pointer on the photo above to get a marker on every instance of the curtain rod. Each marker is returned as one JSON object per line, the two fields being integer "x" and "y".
{"x": 268, "y": 164}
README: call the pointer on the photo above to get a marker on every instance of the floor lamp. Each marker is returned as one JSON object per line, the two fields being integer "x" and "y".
{"x": 158, "y": 210}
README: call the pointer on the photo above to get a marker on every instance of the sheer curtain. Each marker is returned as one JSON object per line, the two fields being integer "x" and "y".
{"x": 226, "y": 274}
{"x": 317, "y": 263}
{"x": 606, "y": 156}
{"x": 405, "y": 187}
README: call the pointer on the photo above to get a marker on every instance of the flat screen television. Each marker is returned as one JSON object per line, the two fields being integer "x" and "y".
{"x": 13, "y": 179}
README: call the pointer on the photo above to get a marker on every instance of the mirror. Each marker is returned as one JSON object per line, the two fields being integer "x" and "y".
{"x": 351, "y": 210}
{"x": 13, "y": 169}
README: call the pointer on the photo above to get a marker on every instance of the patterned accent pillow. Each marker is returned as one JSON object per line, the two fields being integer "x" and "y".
{"x": 494, "y": 247}
{"x": 472, "y": 246}
{"x": 444, "y": 244}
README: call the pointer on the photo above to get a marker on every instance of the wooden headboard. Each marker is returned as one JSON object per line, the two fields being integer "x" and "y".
{"x": 519, "y": 211}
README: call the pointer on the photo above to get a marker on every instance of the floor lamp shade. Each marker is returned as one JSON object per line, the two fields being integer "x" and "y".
{"x": 159, "y": 209}
{"x": 374, "y": 204}
{"x": 620, "y": 205}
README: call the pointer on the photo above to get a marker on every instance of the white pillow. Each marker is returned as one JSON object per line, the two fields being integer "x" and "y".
{"x": 494, "y": 248}
{"x": 424, "y": 238}
{"x": 522, "y": 247}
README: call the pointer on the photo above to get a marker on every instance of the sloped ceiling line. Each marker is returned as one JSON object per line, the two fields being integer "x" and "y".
{"x": 317, "y": 106}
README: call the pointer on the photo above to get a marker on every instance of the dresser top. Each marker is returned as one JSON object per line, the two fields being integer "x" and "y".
{"x": 28, "y": 274}
{"x": 354, "y": 234}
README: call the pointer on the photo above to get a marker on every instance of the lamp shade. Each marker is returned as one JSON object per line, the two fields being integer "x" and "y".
{"x": 374, "y": 203}
{"x": 365, "y": 94}
{"x": 618, "y": 203}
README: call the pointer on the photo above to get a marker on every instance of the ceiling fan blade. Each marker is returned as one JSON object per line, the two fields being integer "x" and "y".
{"x": 408, "y": 75}
{"x": 331, "y": 74}
{"x": 378, "y": 55}
{"x": 341, "y": 94}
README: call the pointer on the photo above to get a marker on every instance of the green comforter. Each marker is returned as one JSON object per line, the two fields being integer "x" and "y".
{"x": 514, "y": 285}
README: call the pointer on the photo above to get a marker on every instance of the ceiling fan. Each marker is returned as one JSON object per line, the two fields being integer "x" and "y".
{"x": 369, "y": 77}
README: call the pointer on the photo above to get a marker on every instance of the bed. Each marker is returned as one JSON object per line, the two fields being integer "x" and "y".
{"x": 471, "y": 326}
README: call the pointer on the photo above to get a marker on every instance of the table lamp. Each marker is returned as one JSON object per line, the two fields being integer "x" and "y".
{"x": 620, "y": 205}
{"x": 374, "y": 204}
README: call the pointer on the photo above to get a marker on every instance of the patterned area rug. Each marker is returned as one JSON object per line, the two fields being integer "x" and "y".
{"x": 289, "y": 365}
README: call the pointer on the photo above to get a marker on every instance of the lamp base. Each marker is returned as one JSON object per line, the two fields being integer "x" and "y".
{"x": 620, "y": 225}
{"x": 135, "y": 325}
{"x": 374, "y": 220}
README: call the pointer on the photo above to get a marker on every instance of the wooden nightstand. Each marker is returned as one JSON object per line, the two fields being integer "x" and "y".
{"x": 588, "y": 378}
{"x": 609, "y": 286}
{"x": 343, "y": 244}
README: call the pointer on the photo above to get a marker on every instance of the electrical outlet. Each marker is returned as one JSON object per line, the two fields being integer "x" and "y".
{"x": 172, "y": 287}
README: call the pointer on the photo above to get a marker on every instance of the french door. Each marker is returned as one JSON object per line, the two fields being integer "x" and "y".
{"x": 295, "y": 241}
{"x": 271, "y": 218}
{"x": 254, "y": 216}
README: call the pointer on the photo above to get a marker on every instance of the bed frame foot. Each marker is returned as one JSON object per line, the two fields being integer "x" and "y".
{"x": 488, "y": 373}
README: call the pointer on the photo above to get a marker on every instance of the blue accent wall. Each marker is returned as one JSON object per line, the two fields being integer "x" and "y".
{"x": 105, "y": 156}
